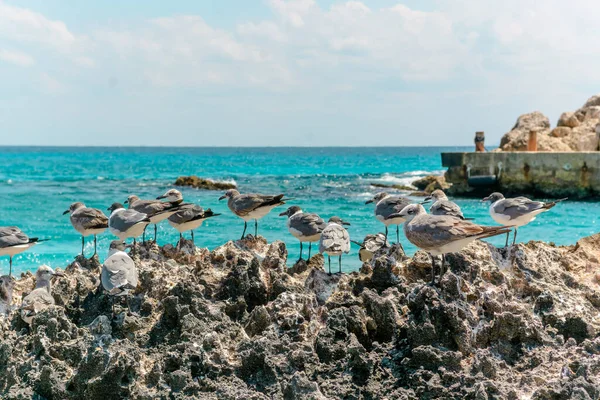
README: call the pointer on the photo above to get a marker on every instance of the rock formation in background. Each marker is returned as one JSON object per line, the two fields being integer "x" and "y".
{"x": 236, "y": 323}
{"x": 202, "y": 183}
{"x": 575, "y": 131}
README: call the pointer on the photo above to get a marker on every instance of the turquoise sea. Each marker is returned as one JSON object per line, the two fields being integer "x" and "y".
{"x": 38, "y": 184}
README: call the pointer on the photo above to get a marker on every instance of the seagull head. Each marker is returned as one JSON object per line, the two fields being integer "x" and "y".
{"x": 229, "y": 194}
{"x": 115, "y": 206}
{"x": 7, "y": 282}
{"x": 131, "y": 199}
{"x": 45, "y": 273}
{"x": 118, "y": 245}
{"x": 377, "y": 198}
{"x": 437, "y": 195}
{"x": 172, "y": 196}
{"x": 73, "y": 207}
{"x": 291, "y": 211}
{"x": 494, "y": 197}
{"x": 339, "y": 221}
{"x": 411, "y": 211}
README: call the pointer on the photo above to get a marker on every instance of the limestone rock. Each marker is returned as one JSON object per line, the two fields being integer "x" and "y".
{"x": 237, "y": 323}
{"x": 568, "y": 119}
{"x": 203, "y": 183}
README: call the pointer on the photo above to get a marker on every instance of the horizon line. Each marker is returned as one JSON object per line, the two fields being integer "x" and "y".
{"x": 218, "y": 147}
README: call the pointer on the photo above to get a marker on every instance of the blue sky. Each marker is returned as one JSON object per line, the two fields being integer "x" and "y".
{"x": 288, "y": 72}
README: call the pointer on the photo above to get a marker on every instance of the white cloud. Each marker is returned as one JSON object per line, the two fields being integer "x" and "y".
{"x": 17, "y": 58}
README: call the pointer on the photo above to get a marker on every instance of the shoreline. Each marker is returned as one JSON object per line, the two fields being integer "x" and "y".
{"x": 237, "y": 323}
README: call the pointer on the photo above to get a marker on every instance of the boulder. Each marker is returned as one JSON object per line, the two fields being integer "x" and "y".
{"x": 575, "y": 131}
{"x": 430, "y": 183}
{"x": 203, "y": 183}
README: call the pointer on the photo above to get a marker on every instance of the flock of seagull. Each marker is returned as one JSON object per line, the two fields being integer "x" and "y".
{"x": 444, "y": 230}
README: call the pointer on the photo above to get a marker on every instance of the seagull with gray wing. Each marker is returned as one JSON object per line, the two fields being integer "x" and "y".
{"x": 387, "y": 208}
{"x": 442, "y": 234}
{"x": 7, "y": 283}
{"x": 335, "y": 240}
{"x": 306, "y": 227}
{"x": 119, "y": 274}
{"x": 516, "y": 212}
{"x": 13, "y": 241}
{"x": 443, "y": 206}
{"x": 370, "y": 245}
{"x": 41, "y": 297}
{"x": 87, "y": 221}
{"x": 188, "y": 218}
{"x": 126, "y": 223}
{"x": 251, "y": 206}
{"x": 156, "y": 210}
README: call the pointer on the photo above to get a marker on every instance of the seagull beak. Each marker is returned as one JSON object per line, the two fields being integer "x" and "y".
{"x": 369, "y": 201}
{"x": 283, "y": 213}
{"x": 161, "y": 197}
{"x": 126, "y": 202}
{"x": 426, "y": 200}
{"x": 222, "y": 197}
{"x": 345, "y": 223}
{"x": 66, "y": 212}
{"x": 128, "y": 246}
{"x": 485, "y": 199}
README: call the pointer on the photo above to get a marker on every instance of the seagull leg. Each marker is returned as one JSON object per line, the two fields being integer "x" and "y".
{"x": 329, "y": 258}
{"x": 386, "y": 232}
{"x": 95, "y": 246}
{"x": 143, "y": 235}
{"x": 192, "y": 237}
{"x": 309, "y": 246}
{"x": 340, "y": 263}
{"x": 82, "y": 244}
{"x": 245, "y": 226}
{"x": 300, "y": 252}
{"x": 515, "y": 236}
{"x": 179, "y": 241}
{"x": 155, "y": 229}
{"x": 507, "y": 235}
{"x": 255, "y": 228}
{"x": 398, "y": 234}
{"x": 10, "y": 264}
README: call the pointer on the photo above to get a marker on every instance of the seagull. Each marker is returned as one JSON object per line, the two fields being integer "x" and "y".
{"x": 387, "y": 205}
{"x": 7, "y": 284}
{"x": 87, "y": 221}
{"x": 119, "y": 275}
{"x": 156, "y": 210}
{"x": 517, "y": 211}
{"x": 370, "y": 245}
{"x": 188, "y": 218}
{"x": 251, "y": 206}
{"x": 41, "y": 297}
{"x": 443, "y": 206}
{"x": 306, "y": 227}
{"x": 335, "y": 240}
{"x": 126, "y": 223}
{"x": 13, "y": 241}
{"x": 442, "y": 234}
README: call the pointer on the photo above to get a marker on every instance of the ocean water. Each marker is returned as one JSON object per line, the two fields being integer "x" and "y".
{"x": 38, "y": 184}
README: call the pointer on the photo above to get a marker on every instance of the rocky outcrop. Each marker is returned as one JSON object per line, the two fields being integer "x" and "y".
{"x": 237, "y": 323}
{"x": 574, "y": 131}
{"x": 430, "y": 183}
{"x": 202, "y": 183}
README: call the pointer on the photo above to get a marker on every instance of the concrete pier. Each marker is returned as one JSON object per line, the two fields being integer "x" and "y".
{"x": 545, "y": 174}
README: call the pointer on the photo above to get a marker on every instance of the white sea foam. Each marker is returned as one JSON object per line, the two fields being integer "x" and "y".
{"x": 406, "y": 178}
{"x": 100, "y": 178}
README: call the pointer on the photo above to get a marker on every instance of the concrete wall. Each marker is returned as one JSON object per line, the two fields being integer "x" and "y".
{"x": 552, "y": 174}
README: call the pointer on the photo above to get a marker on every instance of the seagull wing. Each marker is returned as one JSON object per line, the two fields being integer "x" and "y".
{"x": 90, "y": 218}
{"x": 446, "y": 207}
{"x": 245, "y": 203}
{"x": 517, "y": 207}
{"x": 391, "y": 205}
{"x": 334, "y": 238}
